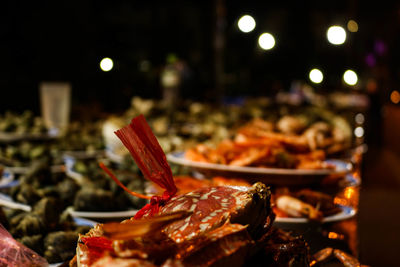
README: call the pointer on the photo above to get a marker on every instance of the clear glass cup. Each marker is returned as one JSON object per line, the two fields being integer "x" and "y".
{"x": 55, "y": 98}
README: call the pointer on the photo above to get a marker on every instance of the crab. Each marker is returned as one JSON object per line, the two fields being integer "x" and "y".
{"x": 210, "y": 226}
{"x": 228, "y": 219}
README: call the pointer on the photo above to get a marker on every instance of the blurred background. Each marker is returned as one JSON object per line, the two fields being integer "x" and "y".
{"x": 340, "y": 55}
{"x": 66, "y": 41}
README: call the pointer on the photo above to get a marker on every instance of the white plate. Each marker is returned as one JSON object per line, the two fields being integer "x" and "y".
{"x": 84, "y": 222}
{"x": 278, "y": 176}
{"x": 346, "y": 213}
{"x": 69, "y": 163}
{"x": 7, "y": 180}
{"x": 102, "y": 214}
{"x": 8, "y": 202}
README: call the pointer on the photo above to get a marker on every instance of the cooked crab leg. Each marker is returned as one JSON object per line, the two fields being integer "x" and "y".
{"x": 346, "y": 259}
{"x": 327, "y": 253}
{"x": 297, "y": 208}
{"x": 134, "y": 228}
{"x": 321, "y": 256}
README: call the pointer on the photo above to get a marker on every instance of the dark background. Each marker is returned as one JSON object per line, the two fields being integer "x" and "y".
{"x": 65, "y": 41}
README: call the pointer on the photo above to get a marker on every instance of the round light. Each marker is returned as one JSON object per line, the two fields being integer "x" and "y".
{"x": 359, "y": 131}
{"x": 266, "y": 41}
{"x": 395, "y": 97}
{"x": 336, "y": 35}
{"x": 350, "y": 77}
{"x": 106, "y": 64}
{"x": 316, "y": 76}
{"x": 352, "y": 26}
{"x": 246, "y": 23}
{"x": 359, "y": 118}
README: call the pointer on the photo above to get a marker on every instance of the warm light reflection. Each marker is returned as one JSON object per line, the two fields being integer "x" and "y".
{"x": 359, "y": 118}
{"x": 395, "y": 97}
{"x": 316, "y": 76}
{"x": 349, "y": 192}
{"x": 106, "y": 64}
{"x": 336, "y": 35}
{"x": 266, "y": 41}
{"x": 350, "y": 77}
{"x": 333, "y": 235}
{"x": 246, "y": 23}
{"x": 359, "y": 131}
{"x": 341, "y": 201}
{"x": 352, "y": 26}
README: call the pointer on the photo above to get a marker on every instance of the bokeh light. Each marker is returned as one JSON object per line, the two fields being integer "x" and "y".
{"x": 352, "y": 26}
{"x": 106, "y": 64}
{"x": 350, "y": 77}
{"x": 266, "y": 41}
{"x": 395, "y": 97}
{"x": 336, "y": 35}
{"x": 316, "y": 76}
{"x": 246, "y": 23}
{"x": 359, "y": 118}
{"x": 359, "y": 131}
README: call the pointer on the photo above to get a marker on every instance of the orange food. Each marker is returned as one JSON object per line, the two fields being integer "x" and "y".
{"x": 256, "y": 145}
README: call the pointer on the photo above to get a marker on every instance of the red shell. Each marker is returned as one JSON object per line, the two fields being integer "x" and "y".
{"x": 211, "y": 207}
{"x": 97, "y": 246}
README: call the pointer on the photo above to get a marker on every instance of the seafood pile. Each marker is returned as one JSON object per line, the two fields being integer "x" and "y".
{"x": 259, "y": 148}
{"x": 304, "y": 203}
{"x": 22, "y": 154}
{"x": 96, "y": 192}
{"x": 288, "y": 143}
{"x": 47, "y": 229}
{"x": 294, "y": 141}
{"x": 82, "y": 137}
{"x": 25, "y": 123}
{"x": 210, "y": 226}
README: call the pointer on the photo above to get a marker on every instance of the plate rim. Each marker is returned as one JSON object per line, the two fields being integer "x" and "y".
{"x": 102, "y": 214}
{"x": 80, "y": 221}
{"x": 4, "y": 181}
{"x": 177, "y": 158}
{"x": 8, "y": 200}
{"x": 346, "y": 213}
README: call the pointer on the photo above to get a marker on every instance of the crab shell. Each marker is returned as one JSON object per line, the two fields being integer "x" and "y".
{"x": 212, "y": 207}
{"x": 225, "y": 222}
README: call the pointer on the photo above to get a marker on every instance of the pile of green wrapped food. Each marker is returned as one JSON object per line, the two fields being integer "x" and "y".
{"x": 82, "y": 137}
{"x": 22, "y": 152}
{"x": 49, "y": 229}
{"x": 24, "y": 123}
{"x": 100, "y": 193}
